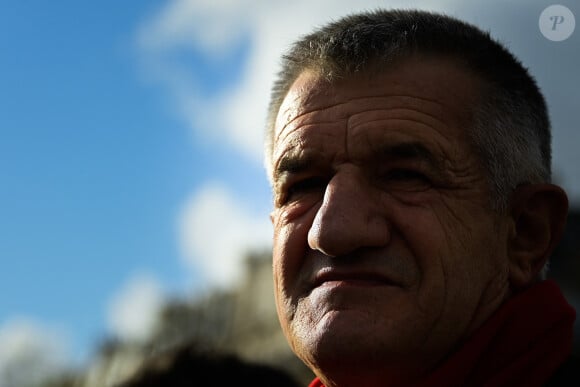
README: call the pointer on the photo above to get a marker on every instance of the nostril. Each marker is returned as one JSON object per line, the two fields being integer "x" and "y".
{"x": 314, "y": 235}
{"x": 333, "y": 235}
{"x": 348, "y": 219}
{"x": 323, "y": 235}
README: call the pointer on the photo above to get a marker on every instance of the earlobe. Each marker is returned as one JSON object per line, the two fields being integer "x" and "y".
{"x": 539, "y": 213}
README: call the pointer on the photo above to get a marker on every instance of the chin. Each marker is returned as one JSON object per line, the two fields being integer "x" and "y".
{"x": 353, "y": 334}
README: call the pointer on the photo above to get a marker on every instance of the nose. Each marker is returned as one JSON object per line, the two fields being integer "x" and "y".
{"x": 349, "y": 218}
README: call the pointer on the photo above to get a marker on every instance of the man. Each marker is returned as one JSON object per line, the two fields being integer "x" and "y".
{"x": 409, "y": 155}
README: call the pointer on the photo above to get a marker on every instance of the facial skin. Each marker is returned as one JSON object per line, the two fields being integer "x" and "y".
{"x": 386, "y": 252}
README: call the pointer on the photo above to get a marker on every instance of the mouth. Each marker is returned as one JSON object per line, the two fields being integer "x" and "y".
{"x": 331, "y": 278}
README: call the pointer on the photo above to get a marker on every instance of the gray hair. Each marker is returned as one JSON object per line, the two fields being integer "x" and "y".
{"x": 511, "y": 128}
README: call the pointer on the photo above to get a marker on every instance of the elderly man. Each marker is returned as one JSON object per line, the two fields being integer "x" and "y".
{"x": 409, "y": 155}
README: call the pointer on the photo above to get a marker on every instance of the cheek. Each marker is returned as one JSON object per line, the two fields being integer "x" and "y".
{"x": 458, "y": 254}
{"x": 433, "y": 245}
{"x": 425, "y": 235}
{"x": 290, "y": 248}
{"x": 450, "y": 283}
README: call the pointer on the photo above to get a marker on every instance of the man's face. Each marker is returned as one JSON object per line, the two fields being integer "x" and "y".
{"x": 386, "y": 251}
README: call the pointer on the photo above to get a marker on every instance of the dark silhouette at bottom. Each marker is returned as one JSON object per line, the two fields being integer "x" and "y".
{"x": 188, "y": 366}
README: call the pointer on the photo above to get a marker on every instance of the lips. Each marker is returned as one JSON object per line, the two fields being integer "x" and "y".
{"x": 350, "y": 278}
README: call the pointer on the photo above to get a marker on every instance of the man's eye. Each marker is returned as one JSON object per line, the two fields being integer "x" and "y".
{"x": 305, "y": 186}
{"x": 405, "y": 174}
{"x": 408, "y": 178}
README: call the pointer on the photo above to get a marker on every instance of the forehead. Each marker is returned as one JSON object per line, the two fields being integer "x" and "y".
{"x": 418, "y": 96}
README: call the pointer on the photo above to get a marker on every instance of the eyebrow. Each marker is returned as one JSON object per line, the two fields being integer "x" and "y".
{"x": 294, "y": 163}
{"x": 407, "y": 151}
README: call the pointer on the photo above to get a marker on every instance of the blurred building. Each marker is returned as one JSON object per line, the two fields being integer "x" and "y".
{"x": 241, "y": 322}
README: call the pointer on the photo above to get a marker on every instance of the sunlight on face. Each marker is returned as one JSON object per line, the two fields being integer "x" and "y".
{"x": 384, "y": 242}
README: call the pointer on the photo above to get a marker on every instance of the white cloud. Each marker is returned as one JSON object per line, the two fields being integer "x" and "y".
{"x": 215, "y": 233}
{"x": 133, "y": 312}
{"x": 211, "y": 25}
{"x": 237, "y": 114}
{"x": 29, "y": 353}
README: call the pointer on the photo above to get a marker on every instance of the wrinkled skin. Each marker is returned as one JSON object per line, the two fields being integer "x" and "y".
{"x": 387, "y": 255}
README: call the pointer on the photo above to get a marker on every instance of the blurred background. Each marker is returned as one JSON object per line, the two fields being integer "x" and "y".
{"x": 133, "y": 201}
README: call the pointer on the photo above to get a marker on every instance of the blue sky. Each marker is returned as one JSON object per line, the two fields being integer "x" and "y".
{"x": 95, "y": 164}
{"x": 130, "y": 152}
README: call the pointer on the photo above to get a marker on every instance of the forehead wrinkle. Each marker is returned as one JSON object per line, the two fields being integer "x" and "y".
{"x": 303, "y": 114}
{"x": 408, "y": 102}
{"x": 396, "y": 129}
{"x": 399, "y": 145}
{"x": 303, "y": 100}
{"x": 429, "y": 117}
{"x": 389, "y": 96}
{"x": 298, "y": 132}
{"x": 418, "y": 122}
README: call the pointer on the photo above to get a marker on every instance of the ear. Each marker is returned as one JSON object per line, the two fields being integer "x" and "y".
{"x": 539, "y": 213}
